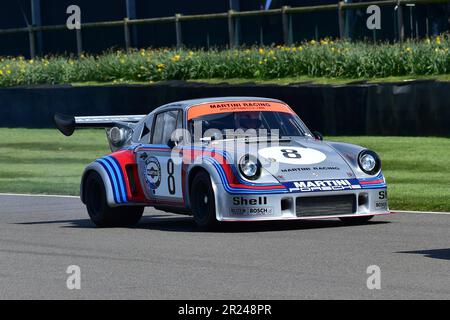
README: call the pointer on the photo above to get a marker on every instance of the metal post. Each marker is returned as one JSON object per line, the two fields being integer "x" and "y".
{"x": 400, "y": 24}
{"x": 231, "y": 29}
{"x": 411, "y": 26}
{"x": 287, "y": 26}
{"x": 126, "y": 32}
{"x": 32, "y": 42}
{"x": 341, "y": 18}
{"x": 178, "y": 31}
{"x": 131, "y": 14}
{"x": 348, "y": 18}
{"x": 79, "y": 42}
{"x": 36, "y": 21}
{"x": 261, "y": 35}
{"x": 417, "y": 29}
{"x": 291, "y": 32}
{"x": 235, "y": 5}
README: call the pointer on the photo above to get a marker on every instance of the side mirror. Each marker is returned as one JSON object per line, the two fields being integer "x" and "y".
{"x": 176, "y": 139}
{"x": 318, "y": 135}
{"x": 171, "y": 144}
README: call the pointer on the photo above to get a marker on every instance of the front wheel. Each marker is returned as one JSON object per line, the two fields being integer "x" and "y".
{"x": 203, "y": 201}
{"x": 103, "y": 215}
{"x": 356, "y": 220}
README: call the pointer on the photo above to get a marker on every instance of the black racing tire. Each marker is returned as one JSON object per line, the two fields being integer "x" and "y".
{"x": 356, "y": 220}
{"x": 203, "y": 203}
{"x": 101, "y": 214}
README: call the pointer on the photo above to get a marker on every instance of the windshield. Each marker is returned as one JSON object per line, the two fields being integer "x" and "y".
{"x": 228, "y": 125}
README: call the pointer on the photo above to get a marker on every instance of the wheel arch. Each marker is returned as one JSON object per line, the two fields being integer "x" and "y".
{"x": 193, "y": 171}
{"x": 96, "y": 167}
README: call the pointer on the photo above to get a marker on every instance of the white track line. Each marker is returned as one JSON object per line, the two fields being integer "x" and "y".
{"x": 77, "y": 197}
{"x": 38, "y": 195}
{"x": 428, "y": 212}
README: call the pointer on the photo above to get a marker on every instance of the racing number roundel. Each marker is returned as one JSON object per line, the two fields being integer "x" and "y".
{"x": 293, "y": 155}
{"x": 153, "y": 172}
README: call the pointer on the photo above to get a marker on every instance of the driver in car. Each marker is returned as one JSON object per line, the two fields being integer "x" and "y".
{"x": 247, "y": 120}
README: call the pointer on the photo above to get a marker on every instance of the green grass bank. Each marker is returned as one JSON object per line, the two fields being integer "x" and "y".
{"x": 44, "y": 161}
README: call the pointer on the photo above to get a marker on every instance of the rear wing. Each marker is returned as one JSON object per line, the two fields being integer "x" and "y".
{"x": 67, "y": 124}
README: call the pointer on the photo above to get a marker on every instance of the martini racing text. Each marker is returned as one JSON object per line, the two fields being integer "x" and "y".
{"x": 324, "y": 185}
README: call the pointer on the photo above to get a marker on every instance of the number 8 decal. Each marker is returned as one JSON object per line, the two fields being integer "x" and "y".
{"x": 291, "y": 153}
{"x": 170, "y": 178}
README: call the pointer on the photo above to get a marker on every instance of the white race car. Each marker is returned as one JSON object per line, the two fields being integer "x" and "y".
{"x": 226, "y": 159}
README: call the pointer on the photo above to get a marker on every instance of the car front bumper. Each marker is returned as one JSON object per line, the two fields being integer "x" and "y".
{"x": 300, "y": 205}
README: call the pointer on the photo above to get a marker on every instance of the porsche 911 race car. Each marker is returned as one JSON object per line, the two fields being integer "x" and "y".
{"x": 226, "y": 159}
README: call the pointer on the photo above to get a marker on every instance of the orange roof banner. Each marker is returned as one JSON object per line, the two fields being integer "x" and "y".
{"x": 236, "y": 106}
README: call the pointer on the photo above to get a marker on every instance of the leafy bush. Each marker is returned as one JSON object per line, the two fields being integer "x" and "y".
{"x": 325, "y": 58}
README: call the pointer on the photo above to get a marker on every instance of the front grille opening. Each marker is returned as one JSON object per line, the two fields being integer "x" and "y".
{"x": 286, "y": 204}
{"x": 363, "y": 199}
{"x": 325, "y": 205}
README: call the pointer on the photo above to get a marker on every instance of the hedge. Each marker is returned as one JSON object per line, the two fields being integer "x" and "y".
{"x": 324, "y": 58}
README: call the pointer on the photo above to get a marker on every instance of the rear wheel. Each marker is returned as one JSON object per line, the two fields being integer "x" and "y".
{"x": 356, "y": 220}
{"x": 203, "y": 201}
{"x": 100, "y": 213}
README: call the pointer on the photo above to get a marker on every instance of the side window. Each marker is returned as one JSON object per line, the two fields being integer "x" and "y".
{"x": 170, "y": 124}
{"x": 158, "y": 129}
{"x": 165, "y": 124}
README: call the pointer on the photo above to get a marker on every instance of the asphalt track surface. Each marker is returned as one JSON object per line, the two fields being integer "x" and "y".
{"x": 165, "y": 257}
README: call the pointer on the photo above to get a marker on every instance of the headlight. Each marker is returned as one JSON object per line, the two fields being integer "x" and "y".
{"x": 250, "y": 167}
{"x": 369, "y": 162}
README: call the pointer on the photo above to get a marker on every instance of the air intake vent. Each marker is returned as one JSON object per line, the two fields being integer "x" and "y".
{"x": 325, "y": 205}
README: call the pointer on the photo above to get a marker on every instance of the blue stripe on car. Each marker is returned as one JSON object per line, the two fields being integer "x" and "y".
{"x": 373, "y": 186}
{"x": 112, "y": 179}
{"x": 117, "y": 176}
{"x": 121, "y": 177}
{"x": 230, "y": 189}
{"x": 228, "y": 158}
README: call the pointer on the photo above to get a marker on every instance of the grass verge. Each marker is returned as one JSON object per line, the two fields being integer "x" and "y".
{"x": 416, "y": 170}
{"x": 44, "y": 161}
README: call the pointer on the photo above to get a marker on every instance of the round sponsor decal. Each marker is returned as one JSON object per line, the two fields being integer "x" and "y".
{"x": 153, "y": 172}
{"x": 293, "y": 155}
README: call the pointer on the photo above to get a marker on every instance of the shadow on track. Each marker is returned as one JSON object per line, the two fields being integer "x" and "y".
{"x": 443, "y": 254}
{"x": 174, "y": 223}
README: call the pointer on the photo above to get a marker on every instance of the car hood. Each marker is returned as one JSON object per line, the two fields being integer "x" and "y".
{"x": 297, "y": 159}
{"x": 317, "y": 161}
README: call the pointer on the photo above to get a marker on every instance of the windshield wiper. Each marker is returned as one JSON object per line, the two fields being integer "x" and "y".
{"x": 268, "y": 138}
{"x": 249, "y": 139}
